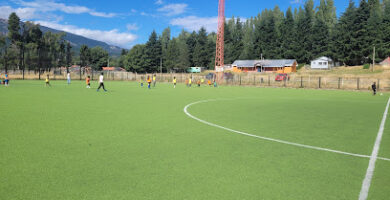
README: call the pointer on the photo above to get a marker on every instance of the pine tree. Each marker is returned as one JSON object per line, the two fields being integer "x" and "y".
{"x": 153, "y": 52}
{"x": 183, "y": 57}
{"x": 248, "y": 41}
{"x": 68, "y": 56}
{"x": 386, "y": 29}
{"x": 300, "y": 36}
{"x": 287, "y": 33}
{"x": 191, "y": 43}
{"x": 320, "y": 37}
{"x": 172, "y": 52}
{"x": 342, "y": 36}
{"x": 165, "y": 39}
{"x": 201, "y": 58}
{"x": 360, "y": 35}
{"x": 374, "y": 31}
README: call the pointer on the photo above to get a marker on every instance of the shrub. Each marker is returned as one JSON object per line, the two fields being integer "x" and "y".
{"x": 366, "y": 66}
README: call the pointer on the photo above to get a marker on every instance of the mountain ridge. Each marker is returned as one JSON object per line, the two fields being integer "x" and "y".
{"x": 75, "y": 40}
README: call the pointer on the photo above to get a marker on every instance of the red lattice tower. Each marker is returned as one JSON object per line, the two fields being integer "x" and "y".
{"x": 219, "y": 55}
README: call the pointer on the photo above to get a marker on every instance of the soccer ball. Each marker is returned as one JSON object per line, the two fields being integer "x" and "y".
{"x": 381, "y": 94}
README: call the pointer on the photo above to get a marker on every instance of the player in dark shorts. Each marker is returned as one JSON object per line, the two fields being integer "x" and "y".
{"x": 374, "y": 88}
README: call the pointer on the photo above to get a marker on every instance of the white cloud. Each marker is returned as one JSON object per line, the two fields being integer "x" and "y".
{"x": 49, "y": 6}
{"x": 23, "y": 13}
{"x": 159, "y": 2}
{"x": 113, "y": 37}
{"x": 296, "y": 1}
{"x": 173, "y": 9}
{"x": 193, "y": 23}
{"x": 132, "y": 27}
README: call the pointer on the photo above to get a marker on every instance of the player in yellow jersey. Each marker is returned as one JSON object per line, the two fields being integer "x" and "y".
{"x": 149, "y": 82}
{"x": 154, "y": 80}
{"x": 189, "y": 82}
{"x": 174, "y": 82}
{"x": 47, "y": 81}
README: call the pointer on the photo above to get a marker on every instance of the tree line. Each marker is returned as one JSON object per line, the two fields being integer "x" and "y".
{"x": 304, "y": 34}
{"x": 27, "y": 47}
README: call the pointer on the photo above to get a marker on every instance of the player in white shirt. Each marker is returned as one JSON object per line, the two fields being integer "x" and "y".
{"x": 68, "y": 78}
{"x": 101, "y": 82}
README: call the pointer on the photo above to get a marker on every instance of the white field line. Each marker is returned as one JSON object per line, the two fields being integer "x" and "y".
{"x": 374, "y": 156}
{"x": 267, "y": 138}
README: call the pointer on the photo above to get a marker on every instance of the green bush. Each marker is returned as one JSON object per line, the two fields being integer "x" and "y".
{"x": 300, "y": 66}
{"x": 366, "y": 66}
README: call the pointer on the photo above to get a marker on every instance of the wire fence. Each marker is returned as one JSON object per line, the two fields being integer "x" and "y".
{"x": 244, "y": 79}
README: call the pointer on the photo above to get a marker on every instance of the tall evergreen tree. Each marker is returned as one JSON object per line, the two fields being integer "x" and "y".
{"x": 68, "y": 56}
{"x": 153, "y": 53}
{"x": 200, "y": 56}
{"x": 248, "y": 41}
{"x": 386, "y": 29}
{"x": 287, "y": 34}
{"x": 85, "y": 57}
{"x": 320, "y": 37}
{"x": 183, "y": 61}
{"x": 342, "y": 36}
{"x": 165, "y": 39}
{"x": 360, "y": 35}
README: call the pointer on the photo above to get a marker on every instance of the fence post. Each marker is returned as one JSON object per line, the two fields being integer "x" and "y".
{"x": 339, "y": 86}
{"x": 240, "y": 79}
{"x": 358, "y": 83}
{"x": 269, "y": 80}
{"x": 254, "y": 80}
{"x": 301, "y": 82}
{"x": 285, "y": 82}
{"x": 319, "y": 82}
{"x": 379, "y": 84}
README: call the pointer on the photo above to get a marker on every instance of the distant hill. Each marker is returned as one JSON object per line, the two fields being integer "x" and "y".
{"x": 75, "y": 40}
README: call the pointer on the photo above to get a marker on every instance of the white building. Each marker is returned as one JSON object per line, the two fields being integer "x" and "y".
{"x": 322, "y": 63}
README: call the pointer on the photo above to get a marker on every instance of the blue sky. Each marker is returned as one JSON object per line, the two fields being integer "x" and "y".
{"x": 125, "y": 23}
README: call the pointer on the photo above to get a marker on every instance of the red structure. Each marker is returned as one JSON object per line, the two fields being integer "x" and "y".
{"x": 219, "y": 56}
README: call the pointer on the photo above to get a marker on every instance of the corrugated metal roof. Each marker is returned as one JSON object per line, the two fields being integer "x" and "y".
{"x": 264, "y": 63}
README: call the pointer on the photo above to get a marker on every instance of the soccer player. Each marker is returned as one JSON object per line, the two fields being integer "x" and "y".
{"x": 101, "y": 82}
{"x": 190, "y": 82}
{"x": 68, "y": 78}
{"x": 154, "y": 80}
{"x": 47, "y": 81}
{"x": 201, "y": 81}
{"x": 174, "y": 82}
{"x": 88, "y": 82}
{"x": 149, "y": 82}
{"x": 374, "y": 88}
{"x": 209, "y": 82}
{"x": 6, "y": 79}
{"x": 198, "y": 82}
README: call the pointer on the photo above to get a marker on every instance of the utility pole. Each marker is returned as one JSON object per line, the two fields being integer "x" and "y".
{"x": 160, "y": 66}
{"x": 373, "y": 60}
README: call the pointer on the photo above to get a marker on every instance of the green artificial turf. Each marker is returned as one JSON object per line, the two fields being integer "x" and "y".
{"x": 69, "y": 142}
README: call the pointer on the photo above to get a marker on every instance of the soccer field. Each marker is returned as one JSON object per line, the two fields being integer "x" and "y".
{"x": 69, "y": 142}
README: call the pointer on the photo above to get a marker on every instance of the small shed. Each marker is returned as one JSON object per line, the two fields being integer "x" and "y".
{"x": 195, "y": 69}
{"x": 322, "y": 63}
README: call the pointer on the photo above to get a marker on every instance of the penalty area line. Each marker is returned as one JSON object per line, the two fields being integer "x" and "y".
{"x": 374, "y": 156}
